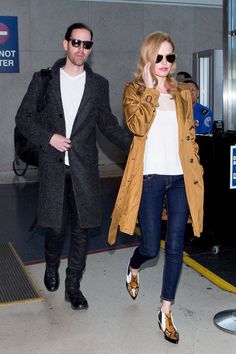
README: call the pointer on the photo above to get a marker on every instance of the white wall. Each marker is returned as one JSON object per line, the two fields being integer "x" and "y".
{"x": 119, "y": 29}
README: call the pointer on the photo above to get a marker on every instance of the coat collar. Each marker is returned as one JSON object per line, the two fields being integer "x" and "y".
{"x": 89, "y": 85}
{"x": 62, "y": 61}
{"x": 181, "y": 111}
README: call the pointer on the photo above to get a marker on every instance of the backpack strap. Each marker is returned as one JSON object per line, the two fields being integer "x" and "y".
{"x": 15, "y": 166}
{"x": 45, "y": 77}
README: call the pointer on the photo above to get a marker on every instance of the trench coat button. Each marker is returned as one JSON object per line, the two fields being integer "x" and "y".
{"x": 61, "y": 115}
{"x": 188, "y": 137}
{"x": 61, "y": 159}
{"x": 191, "y": 160}
{"x": 149, "y": 98}
{"x": 195, "y": 182}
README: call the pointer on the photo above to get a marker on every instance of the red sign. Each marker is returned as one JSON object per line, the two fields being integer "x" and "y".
{"x": 4, "y": 33}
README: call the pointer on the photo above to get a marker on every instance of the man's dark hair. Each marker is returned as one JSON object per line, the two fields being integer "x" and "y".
{"x": 190, "y": 81}
{"x": 77, "y": 25}
{"x": 184, "y": 75}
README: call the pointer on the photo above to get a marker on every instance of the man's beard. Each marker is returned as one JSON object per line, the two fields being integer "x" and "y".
{"x": 77, "y": 62}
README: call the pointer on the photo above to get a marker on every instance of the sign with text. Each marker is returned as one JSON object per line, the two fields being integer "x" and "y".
{"x": 9, "y": 49}
{"x": 232, "y": 166}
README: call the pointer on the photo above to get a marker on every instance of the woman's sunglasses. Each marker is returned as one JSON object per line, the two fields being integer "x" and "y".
{"x": 170, "y": 58}
{"x": 77, "y": 43}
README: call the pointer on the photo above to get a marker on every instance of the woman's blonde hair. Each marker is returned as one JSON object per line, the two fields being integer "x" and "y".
{"x": 149, "y": 51}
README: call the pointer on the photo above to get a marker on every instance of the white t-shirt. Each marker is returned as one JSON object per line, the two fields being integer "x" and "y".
{"x": 161, "y": 154}
{"x": 72, "y": 89}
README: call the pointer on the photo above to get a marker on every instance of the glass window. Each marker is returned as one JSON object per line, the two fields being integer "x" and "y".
{"x": 230, "y": 65}
{"x": 204, "y": 81}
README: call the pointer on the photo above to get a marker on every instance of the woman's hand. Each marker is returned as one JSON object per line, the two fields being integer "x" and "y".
{"x": 147, "y": 76}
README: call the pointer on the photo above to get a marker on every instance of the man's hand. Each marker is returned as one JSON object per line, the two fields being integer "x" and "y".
{"x": 60, "y": 143}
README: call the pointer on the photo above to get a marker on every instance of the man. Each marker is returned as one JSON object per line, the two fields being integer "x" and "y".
{"x": 77, "y": 101}
{"x": 203, "y": 116}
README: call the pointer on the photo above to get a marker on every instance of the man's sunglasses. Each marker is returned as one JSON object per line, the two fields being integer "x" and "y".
{"x": 170, "y": 58}
{"x": 77, "y": 43}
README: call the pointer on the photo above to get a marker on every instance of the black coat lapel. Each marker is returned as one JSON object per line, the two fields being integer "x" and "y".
{"x": 89, "y": 95}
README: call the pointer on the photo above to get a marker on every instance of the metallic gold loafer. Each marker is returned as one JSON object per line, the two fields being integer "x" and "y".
{"x": 132, "y": 283}
{"x": 166, "y": 324}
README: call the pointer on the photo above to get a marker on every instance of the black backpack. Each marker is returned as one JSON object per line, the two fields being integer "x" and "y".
{"x": 24, "y": 149}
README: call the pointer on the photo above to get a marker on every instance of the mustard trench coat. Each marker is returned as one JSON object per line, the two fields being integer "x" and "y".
{"x": 140, "y": 111}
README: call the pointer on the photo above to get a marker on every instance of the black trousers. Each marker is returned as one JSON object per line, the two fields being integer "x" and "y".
{"x": 54, "y": 239}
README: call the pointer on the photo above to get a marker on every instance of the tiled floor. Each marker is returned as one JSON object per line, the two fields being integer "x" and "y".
{"x": 114, "y": 323}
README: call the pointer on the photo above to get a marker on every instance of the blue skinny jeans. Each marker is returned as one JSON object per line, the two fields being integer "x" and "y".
{"x": 155, "y": 188}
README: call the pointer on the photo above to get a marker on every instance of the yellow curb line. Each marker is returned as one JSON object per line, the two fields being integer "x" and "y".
{"x": 38, "y": 299}
{"x": 208, "y": 274}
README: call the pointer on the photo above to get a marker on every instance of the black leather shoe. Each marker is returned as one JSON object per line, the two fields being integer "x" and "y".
{"x": 77, "y": 300}
{"x": 51, "y": 278}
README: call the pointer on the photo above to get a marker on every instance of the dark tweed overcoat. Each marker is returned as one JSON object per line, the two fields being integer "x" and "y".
{"x": 94, "y": 111}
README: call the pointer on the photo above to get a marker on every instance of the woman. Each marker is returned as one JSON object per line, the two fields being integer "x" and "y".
{"x": 163, "y": 161}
